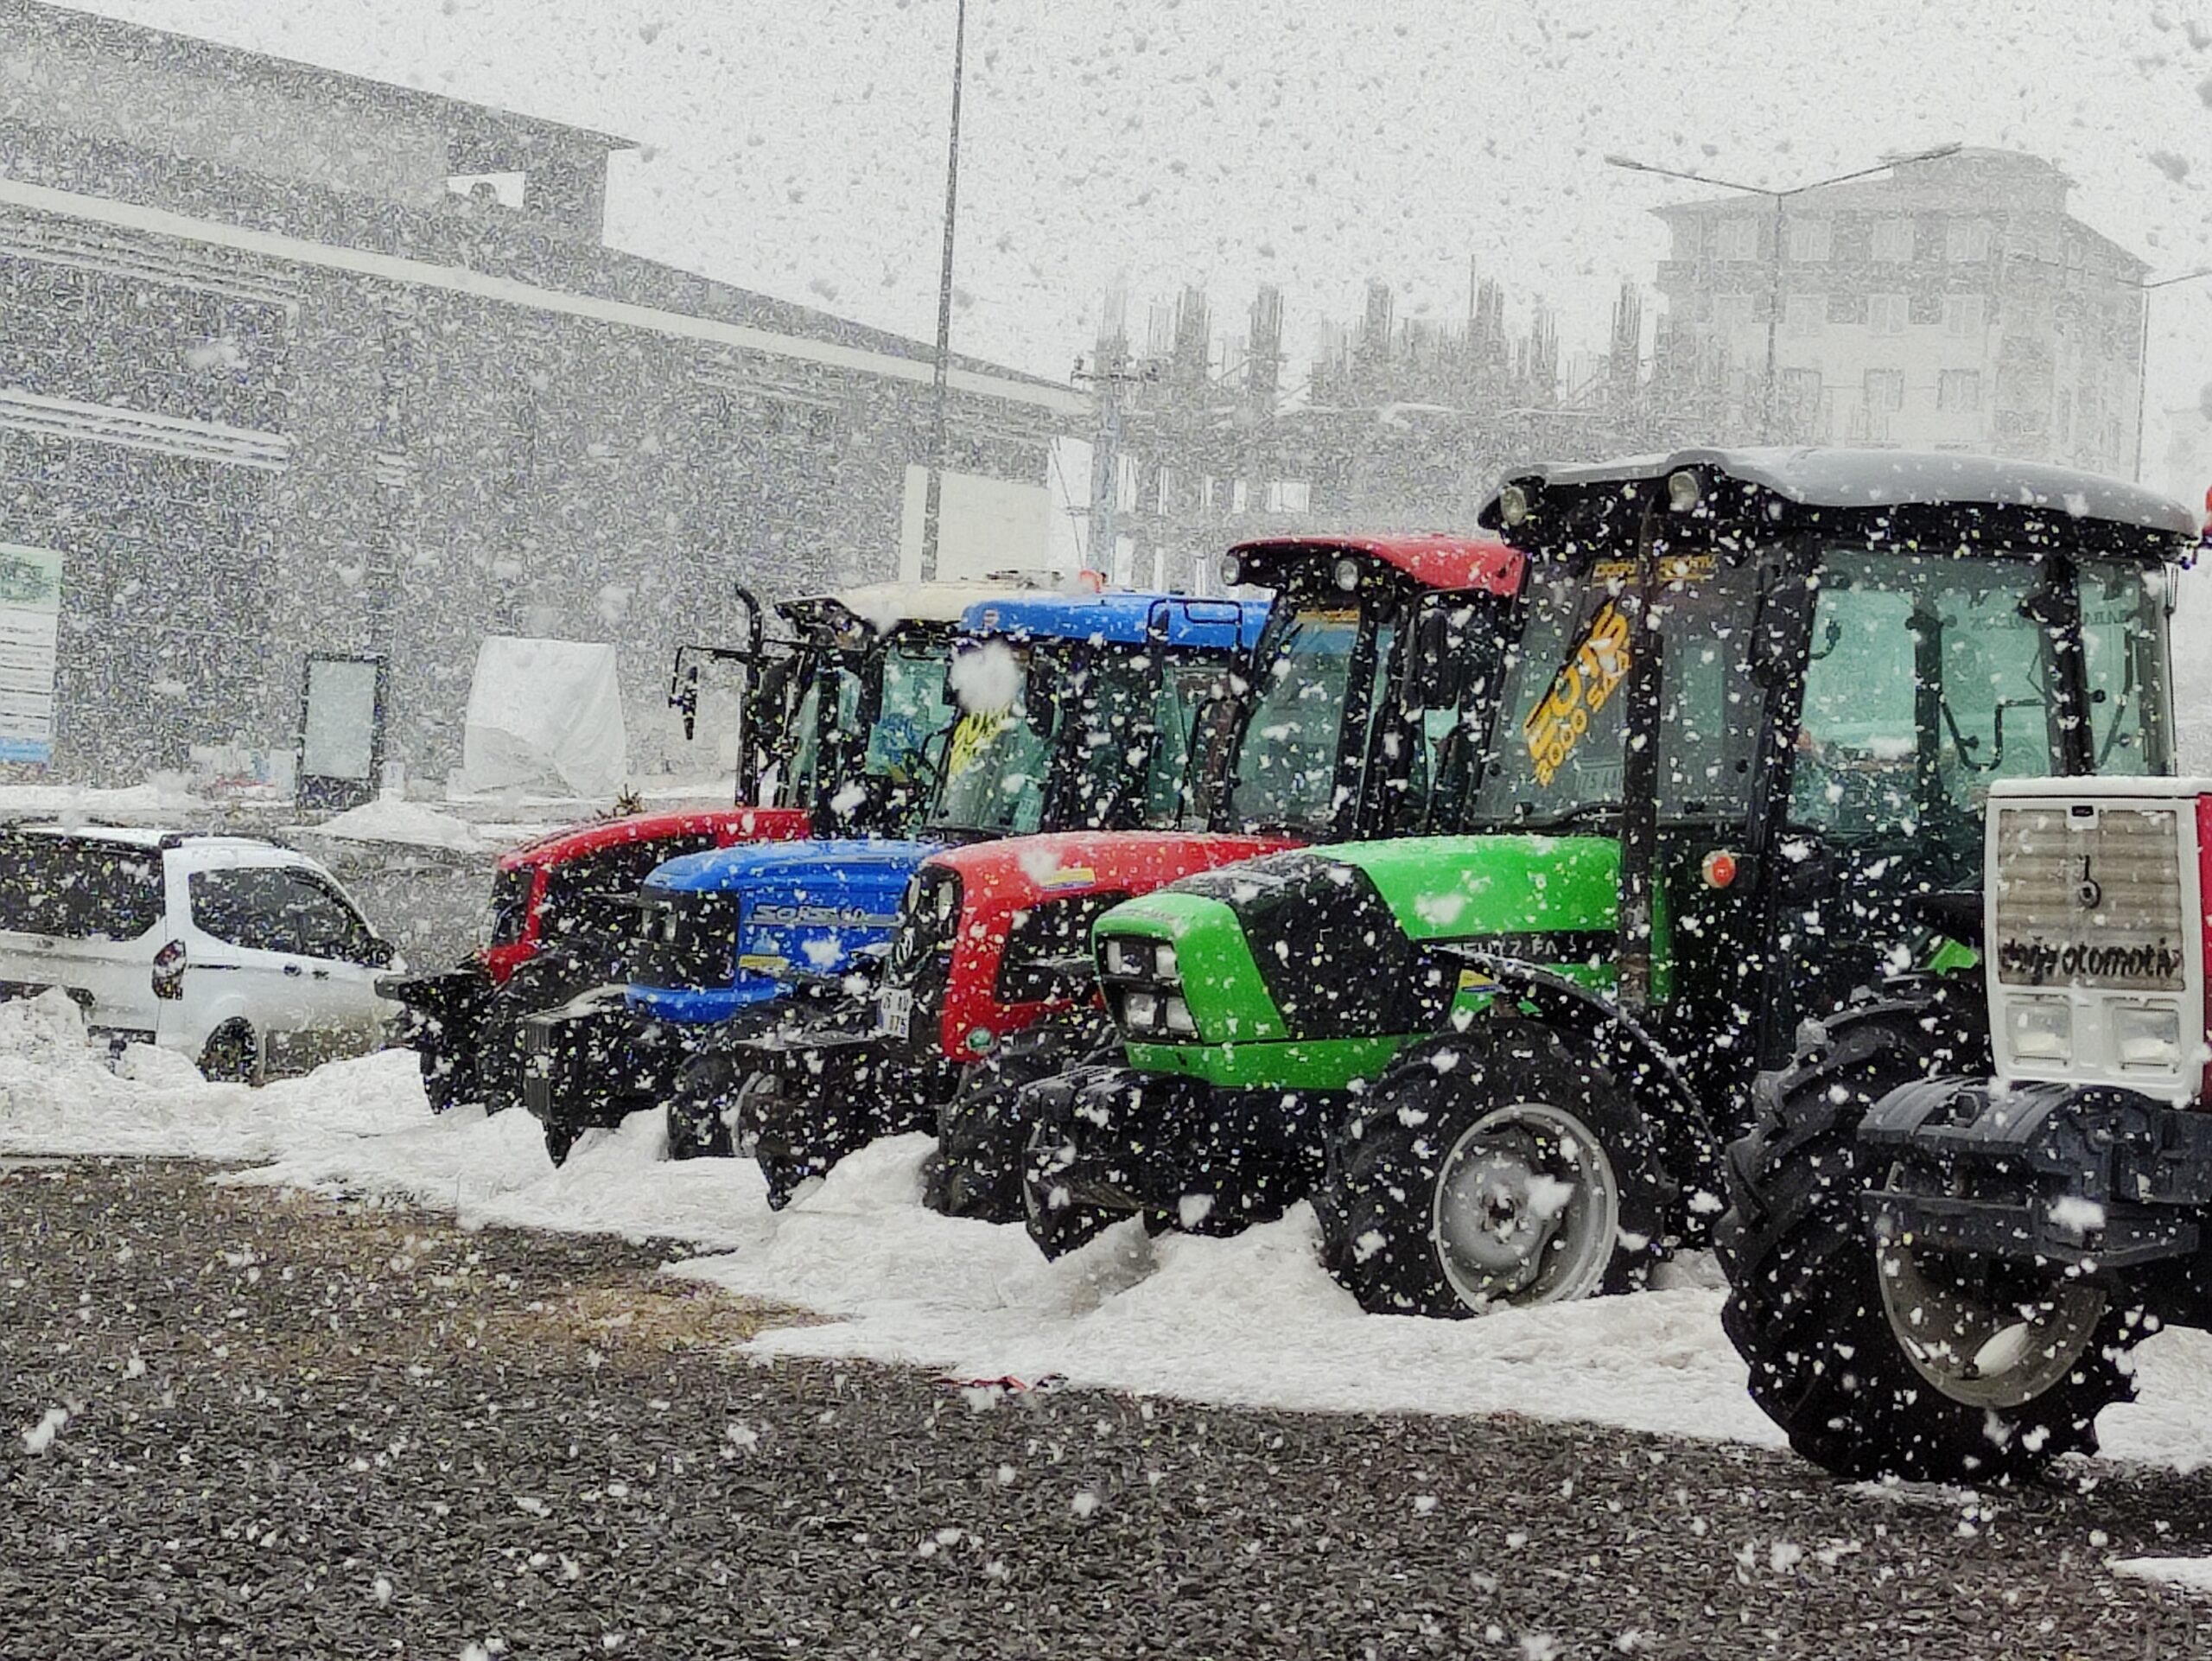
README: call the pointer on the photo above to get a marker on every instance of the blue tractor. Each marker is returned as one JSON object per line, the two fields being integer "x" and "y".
{"x": 1074, "y": 711}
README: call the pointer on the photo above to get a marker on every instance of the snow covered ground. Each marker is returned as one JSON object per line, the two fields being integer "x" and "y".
{"x": 1252, "y": 1319}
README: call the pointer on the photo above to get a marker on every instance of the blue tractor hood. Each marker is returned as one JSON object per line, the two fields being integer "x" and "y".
{"x": 800, "y": 911}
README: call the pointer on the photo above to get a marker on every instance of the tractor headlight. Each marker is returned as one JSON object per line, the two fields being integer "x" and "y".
{"x": 2040, "y": 1029}
{"x": 1176, "y": 1015}
{"x": 2147, "y": 1037}
{"x": 947, "y": 902}
{"x": 1128, "y": 959}
{"x": 1163, "y": 965}
{"x": 1140, "y": 1011}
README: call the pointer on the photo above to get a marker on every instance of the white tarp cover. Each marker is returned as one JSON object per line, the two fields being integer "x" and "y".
{"x": 546, "y": 716}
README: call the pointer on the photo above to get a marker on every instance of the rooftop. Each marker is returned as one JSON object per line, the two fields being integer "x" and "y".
{"x": 482, "y": 139}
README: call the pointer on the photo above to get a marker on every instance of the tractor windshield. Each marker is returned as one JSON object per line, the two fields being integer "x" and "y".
{"x": 1317, "y": 652}
{"x": 997, "y": 761}
{"x": 1931, "y": 677}
{"x": 1087, "y": 733}
{"x": 834, "y": 746}
{"x": 1559, "y": 747}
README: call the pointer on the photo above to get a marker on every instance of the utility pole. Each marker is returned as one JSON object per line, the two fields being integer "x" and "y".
{"x": 933, "y": 498}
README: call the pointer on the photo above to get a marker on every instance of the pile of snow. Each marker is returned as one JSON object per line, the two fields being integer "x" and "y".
{"x": 1252, "y": 1319}
{"x": 394, "y": 818}
{"x": 2190, "y": 1574}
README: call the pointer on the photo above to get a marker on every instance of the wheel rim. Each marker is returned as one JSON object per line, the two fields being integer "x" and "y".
{"x": 1526, "y": 1208}
{"x": 1985, "y": 1334}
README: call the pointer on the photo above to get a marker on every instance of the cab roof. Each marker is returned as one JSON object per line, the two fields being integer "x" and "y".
{"x": 1433, "y": 559}
{"x": 1175, "y": 619}
{"x": 1822, "y": 477}
{"x": 884, "y": 606}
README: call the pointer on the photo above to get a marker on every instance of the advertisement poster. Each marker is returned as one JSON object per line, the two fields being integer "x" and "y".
{"x": 31, "y": 610}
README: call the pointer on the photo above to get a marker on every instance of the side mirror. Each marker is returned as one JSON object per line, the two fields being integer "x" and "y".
{"x": 380, "y": 953}
{"x": 687, "y": 703}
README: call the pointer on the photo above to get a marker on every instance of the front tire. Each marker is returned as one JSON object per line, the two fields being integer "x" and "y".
{"x": 561, "y": 1140}
{"x": 982, "y": 1135}
{"x": 1498, "y": 1166}
{"x": 232, "y": 1055}
{"x": 1056, "y": 1221}
{"x": 698, "y": 1113}
{"x": 1805, "y": 1306}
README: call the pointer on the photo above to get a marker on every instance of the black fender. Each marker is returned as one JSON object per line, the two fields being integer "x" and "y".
{"x": 1692, "y": 1148}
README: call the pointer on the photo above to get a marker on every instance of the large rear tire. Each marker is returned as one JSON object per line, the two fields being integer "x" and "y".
{"x": 1805, "y": 1306}
{"x": 1496, "y": 1167}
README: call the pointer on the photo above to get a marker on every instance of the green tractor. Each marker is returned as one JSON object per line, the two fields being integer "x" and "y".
{"x": 1738, "y": 774}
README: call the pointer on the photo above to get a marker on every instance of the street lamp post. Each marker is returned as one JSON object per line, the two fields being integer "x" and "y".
{"x": 1774, "y": 262}
{"x": 933, "y": 495}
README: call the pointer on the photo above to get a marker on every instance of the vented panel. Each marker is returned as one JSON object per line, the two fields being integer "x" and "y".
{"x": 2088, "y": 899}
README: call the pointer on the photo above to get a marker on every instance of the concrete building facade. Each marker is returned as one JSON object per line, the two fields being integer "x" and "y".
{"x": 1948, "y": 304}
{"x": 277, "y": 382}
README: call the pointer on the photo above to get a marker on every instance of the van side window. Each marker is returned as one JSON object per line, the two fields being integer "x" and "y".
{"x": 266, "y": 908}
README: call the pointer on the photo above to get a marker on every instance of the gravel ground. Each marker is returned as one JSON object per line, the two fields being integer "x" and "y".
{"x": 306, "y": 1427}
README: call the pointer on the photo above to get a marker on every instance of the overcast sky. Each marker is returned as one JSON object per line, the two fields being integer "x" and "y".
{"x": 798, "y": 147}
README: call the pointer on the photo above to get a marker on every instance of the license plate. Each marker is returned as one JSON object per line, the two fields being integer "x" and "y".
{"x": 894, "y": 1011}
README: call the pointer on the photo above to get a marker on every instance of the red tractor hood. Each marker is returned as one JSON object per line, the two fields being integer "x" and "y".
{"x": 1014, "y": 872}
{"x": 1000, "y": 879}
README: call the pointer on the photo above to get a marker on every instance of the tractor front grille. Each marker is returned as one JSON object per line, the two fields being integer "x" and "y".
{"x": 2088, "y": 895}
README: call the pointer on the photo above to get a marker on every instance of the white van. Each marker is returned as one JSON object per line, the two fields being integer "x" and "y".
{"x": 247, "y": 957}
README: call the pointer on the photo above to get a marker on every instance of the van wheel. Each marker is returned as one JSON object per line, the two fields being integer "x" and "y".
{"x": 232, "y": 1055}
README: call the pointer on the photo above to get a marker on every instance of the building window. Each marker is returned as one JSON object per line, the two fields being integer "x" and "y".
{"x": 1739, "y": 239}
{"x": 1885, "y": 388}
{"x": 1804, "y": 313}
{"x": 1808, "y": 241}
{"x": 1886, "y": 313}
{"x": 1958, "y": 391}
{"x": 1966, "y": 241}
{"x": 1962, "y": 314}
{"x": 1893, "y": 240}
{"x": 1800, "y": 403}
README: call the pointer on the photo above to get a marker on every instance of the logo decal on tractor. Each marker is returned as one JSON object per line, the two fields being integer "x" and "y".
{"x": 2037, "y": 960}
{"x": 1585, "y": 681}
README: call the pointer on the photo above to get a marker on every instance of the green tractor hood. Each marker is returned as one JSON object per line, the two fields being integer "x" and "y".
{"x": 1311, "y": 968}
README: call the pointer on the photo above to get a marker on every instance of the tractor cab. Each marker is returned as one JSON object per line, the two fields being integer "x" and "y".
{"x": 1783, "y": 683}
{"x": 839, "y": 718}
{"x": 1754, "y": 706}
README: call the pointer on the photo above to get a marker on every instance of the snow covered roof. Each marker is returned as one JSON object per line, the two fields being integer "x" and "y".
{"x": 884, "y": 606}
{"x": 1878, "y": 479}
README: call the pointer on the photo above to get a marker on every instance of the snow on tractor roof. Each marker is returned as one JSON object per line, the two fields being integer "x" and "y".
{"x": 1878, "y": 479}
{"x": 1435, "y": 561}
{"x": 1124, "y": 619}
{"x": 887, "y": 606}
